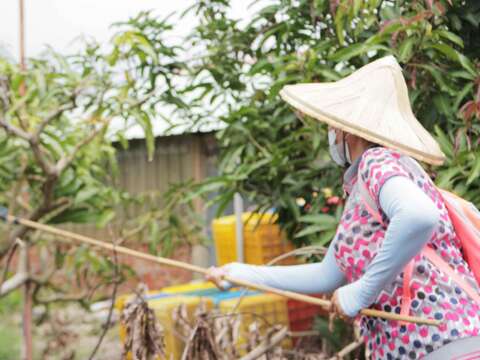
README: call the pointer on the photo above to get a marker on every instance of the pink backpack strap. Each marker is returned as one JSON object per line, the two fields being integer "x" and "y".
{"x": 443, "y": 266}
{"x": 406, "y": 293}
{"x": 372, "y": 208}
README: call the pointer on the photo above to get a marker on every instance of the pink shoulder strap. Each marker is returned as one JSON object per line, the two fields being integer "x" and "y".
{"x": 443, "y": 266}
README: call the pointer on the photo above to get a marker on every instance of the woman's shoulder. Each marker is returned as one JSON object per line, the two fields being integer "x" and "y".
{"x": 379, "y": 155}
{"x": 379, "y": 164}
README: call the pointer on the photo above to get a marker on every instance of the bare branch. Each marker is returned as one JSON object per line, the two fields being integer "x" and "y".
{"x": 13, "y": 130}
{"x": 266, "y": 344}
{"x": 13, "y": 283}
{"x": 116, "y": 283}
{"x": 347, "y": 349}
{"x": 62, "y": 298}
{"x": 66, "y": 160}
{"x": 46, "y": 207}
{"x": 11, "y": 251}
{"x": 41, "y": 156}
{"x": 55, "y": 114}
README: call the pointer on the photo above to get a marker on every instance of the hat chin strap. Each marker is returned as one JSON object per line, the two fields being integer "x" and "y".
{"x": 346, "y": 150}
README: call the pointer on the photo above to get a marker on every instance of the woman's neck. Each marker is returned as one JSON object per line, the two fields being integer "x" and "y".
{"x": 357, "y": 147}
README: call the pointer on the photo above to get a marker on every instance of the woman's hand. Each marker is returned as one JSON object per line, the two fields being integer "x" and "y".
{"x": 216, "y": 275}
{"x": 336, "y": 311}
{"x": 336, "y": 308}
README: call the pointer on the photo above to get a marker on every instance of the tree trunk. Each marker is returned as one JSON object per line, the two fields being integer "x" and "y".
{"x": 24, "y": 267}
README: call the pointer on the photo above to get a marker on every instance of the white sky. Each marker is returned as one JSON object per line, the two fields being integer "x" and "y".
{"x": 58, "y": 22}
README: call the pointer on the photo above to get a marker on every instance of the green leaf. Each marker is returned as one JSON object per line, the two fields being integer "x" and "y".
{"x": 475, "y": 173}
{"x": 80, "y": 216}
{"x": 325, "y": 238}
{"x": 405, "y": 49}
{"x": 445, "y": 178}
{"x": 444, "y": 141}
{"x": 339, "y": 25}
{"x": 312, "y": 229}
{"x": 348, "y": 52}
{"x": 454, "y": 55}
{"x": 461, "y": 95}
{"x": 351, "y": 51}
{"x": 105, "y": 217}
{"x": 146, "y": 123}
{"x": 439, "y": 78}
{"x": 450, "y": 36}
{"x": 318, "y": 219}
{"x": 443, "y": 104}
{"x": 85, "y": 194}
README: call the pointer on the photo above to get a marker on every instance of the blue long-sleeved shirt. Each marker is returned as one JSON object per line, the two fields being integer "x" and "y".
{"x": 413, "y": 217}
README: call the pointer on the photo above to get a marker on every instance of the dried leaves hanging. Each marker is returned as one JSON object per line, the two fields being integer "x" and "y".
{"x": 200, "y": 344}
{"x": 144, "y": 339}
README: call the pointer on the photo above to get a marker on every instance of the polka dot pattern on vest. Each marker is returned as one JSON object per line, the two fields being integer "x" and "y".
{"x": 357, "y": 241}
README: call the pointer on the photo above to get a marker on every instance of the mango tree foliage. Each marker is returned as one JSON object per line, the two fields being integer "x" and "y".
{"x": 59, "y": 119}
{"x": 278, "y": 159}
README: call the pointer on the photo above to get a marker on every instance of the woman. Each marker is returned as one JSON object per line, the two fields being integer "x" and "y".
{"x": 368, "y": 257}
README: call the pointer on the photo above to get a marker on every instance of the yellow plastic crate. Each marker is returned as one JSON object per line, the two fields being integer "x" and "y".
{"x": 188, "y": 288}
{"x": 164, "y": 308}
{"x": 263, "y": 240}
{"x": 122, "y": 299}
{"x": 262, "y": 308}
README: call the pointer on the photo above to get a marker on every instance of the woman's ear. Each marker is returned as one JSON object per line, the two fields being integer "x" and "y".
{"x": 339, "y": 137}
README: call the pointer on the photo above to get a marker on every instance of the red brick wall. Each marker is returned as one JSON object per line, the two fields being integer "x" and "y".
{"x": 154, "y": 275}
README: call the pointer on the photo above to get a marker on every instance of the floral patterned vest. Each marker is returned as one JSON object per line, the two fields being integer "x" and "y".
{"x": 357, "y": 241}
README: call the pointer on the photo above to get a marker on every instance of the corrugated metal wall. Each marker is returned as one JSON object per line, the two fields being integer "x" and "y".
{"x": 177, "y": 158}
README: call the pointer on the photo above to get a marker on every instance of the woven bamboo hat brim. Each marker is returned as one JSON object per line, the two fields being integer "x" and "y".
{"x": 371, "y": 103}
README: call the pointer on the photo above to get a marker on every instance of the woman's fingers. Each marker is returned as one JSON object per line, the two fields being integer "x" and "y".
{"x": 216, "y": 275}
{"x": 336, "y": 310}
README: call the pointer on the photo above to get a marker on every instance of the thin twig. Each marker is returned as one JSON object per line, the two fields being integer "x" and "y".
{"x": 112, "y": 305}
{"x": 266, "y": 344}
{"x": 65, "y": 161}
{"x": 16, "y": 281}
{"x": 59, "y": 111}
{"x": 347, "y": 350}
{"x": 11, "y": 251}
{"x": 13, "y": 130}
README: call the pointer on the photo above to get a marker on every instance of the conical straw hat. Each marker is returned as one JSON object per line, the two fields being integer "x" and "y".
{"x": 371, "y": 103}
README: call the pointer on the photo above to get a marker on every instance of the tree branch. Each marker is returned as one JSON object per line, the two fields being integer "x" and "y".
{"x": 66, "y": 160}
{"x": 62, "y": 298}
{"x": 116, "y": 282}
{"x": 59, "y": 111}
{"x": 41, "y": 156}
{"x": 13, "y": 130}
{"x": 347, "y": 350}
{"x": 10, "y": 252}
{"x": 13, "y": 283}
{"x": 266, "y": 345}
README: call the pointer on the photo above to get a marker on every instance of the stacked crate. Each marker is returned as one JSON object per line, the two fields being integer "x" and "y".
{"x": 262, "y": 238}
{"x": 302, "y": 314}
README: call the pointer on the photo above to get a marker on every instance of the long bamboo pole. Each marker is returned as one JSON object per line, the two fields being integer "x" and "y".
{"x": 179, "y": 264}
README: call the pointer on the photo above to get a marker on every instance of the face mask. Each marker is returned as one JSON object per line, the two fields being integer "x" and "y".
{"x": 337, "y": 153}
